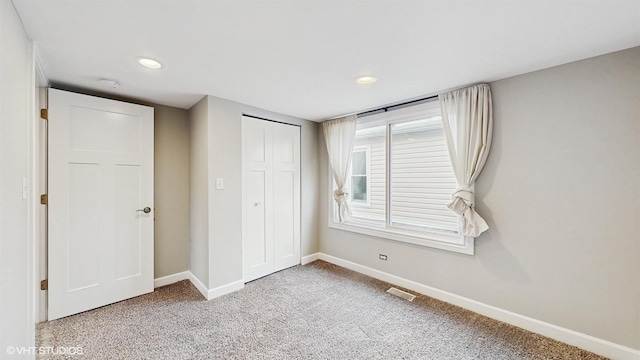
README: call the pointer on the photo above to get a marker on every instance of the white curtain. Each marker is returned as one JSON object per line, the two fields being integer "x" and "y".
{"x": 468, "y": 123}
{"x": 339, "y": 136}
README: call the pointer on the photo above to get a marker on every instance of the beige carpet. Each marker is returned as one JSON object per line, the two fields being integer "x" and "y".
{"x": 317, "y": 311}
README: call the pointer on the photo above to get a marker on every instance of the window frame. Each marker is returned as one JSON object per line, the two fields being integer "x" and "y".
{"x": 433, "y": 238}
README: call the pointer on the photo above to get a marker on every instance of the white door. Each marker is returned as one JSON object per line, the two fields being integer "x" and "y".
{"x": 100, "y": 182}
{"x": 271, "y": 197}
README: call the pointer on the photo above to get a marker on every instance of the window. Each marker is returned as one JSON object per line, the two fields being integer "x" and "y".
{"x": 359, "y": 184}
{"x": 371, "y": 143}
{"x": 402, "y": 180}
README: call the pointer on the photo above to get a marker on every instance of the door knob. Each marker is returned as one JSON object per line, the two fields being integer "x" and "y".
{"x": 145, "y": 210}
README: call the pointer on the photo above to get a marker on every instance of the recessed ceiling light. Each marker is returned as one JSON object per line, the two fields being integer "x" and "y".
{"x": 109, "y": 83}
{"x": 150, "y": 63}
{"x": 366, "y": 79}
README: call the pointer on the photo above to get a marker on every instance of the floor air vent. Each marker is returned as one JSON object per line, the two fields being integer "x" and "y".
{"x": 399, "y": 293}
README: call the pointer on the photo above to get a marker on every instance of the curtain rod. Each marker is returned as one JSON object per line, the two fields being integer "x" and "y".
{"x": 391, "y": 107}
{"x": 401, "y": 105}
{"x": 270, "y": 120}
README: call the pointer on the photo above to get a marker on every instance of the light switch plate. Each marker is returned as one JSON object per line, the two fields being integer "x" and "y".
{"x": 219, "y": 183}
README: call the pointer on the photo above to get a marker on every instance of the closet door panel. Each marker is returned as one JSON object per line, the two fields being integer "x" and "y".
{"x": 270, "y": 197}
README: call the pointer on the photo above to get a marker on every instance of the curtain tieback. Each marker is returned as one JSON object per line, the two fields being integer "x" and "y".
{"x": 340, "y": 196}
{"x": 463, "y": 199}
{"x": 463, "y": 204}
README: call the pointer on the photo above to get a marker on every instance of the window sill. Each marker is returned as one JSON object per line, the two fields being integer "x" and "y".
{"x": 454, "y": 243}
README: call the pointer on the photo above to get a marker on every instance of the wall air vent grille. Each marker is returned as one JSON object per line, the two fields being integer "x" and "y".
{"x": 403, "y": 294}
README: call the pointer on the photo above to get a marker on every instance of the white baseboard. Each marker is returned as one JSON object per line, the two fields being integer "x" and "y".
{"x": 571, "y": 337}
{"x": 309, "y": 258}
{"x": 199, "y": 285}
{"x": 225, "y": 289}
{"x": 170, "y": 279}
{"x": 215, "y": 292}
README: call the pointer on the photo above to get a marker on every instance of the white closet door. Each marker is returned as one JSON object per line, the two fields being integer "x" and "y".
{"x": 100, "y": 180}
{"x": 271, "y": 197}
{"x": 286, "y": 194}
{"x": 257, "y": 198}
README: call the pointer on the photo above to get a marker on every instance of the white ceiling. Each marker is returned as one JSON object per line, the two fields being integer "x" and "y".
{"x": 300, "y": 58}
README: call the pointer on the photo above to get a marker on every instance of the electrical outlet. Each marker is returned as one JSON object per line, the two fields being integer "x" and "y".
{"x": 382, "y": 257}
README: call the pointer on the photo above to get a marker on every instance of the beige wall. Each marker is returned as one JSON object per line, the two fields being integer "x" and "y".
{"x": 171, "y": 190}
{"x": 16, "y": 248}
{"x": 199, "y": 190}
{"x": 561, "y": 194}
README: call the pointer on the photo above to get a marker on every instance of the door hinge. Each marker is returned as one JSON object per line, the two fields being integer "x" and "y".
{"x": 44, "y": 284}
{"x": 44, "y": 114}
{"x": 44, "y": 199}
